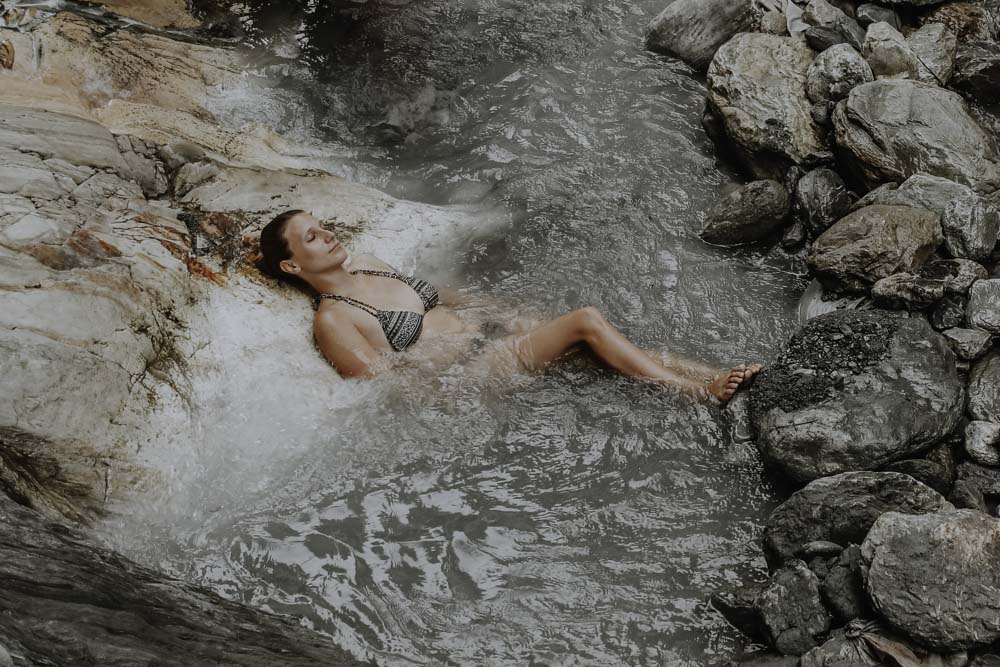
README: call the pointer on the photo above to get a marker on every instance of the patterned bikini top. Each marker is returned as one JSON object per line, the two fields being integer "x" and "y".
{"x": 401, "y": 327}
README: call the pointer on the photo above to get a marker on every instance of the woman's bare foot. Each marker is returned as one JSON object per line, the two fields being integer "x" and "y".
{"x": 725, "y": 384}
{"x": 751, "y": 372}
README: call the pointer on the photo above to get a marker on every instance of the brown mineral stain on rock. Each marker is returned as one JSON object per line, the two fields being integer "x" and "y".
{"x": 158, "y": 13}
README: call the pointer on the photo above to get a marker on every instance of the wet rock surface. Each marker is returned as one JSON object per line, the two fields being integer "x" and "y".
{"x": 751, "y": 213}
{"x": 982, "y": 443}
{"x": 872, "y": 243}
{"x": 66, "y": 601}
{"x": 983, "y": 310}
{"x": 934, "y": 46}
{"x": 892, "y": 129}
{"x": 821, "y": 199}
{"x": 791, "y": 610}
{"x": 950, "y": 558}
{"x": 984, "y": 389}
{"x": 889, "y": 54}
{"x": 835, "y": 72}
{"x": 977, "y": 70}
{"x": 843, "y": 587}
{"x": 693, "y": 30}
{"x": 969, "y": 344}
{"x": 842, "y": 508}
{"x": 855, "y": 390}
{"x": 756, "y": 88}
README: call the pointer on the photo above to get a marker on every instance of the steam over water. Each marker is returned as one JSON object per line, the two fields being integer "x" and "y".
{"x": 573, "y": 517}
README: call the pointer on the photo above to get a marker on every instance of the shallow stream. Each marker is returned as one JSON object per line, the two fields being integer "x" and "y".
{"x": 572, "y": 517}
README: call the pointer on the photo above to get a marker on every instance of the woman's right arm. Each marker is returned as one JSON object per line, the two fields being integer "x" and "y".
{"x": 345, "y": 346}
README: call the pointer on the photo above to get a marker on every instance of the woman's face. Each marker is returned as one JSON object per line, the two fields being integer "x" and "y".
{"x": 314, "y": 249}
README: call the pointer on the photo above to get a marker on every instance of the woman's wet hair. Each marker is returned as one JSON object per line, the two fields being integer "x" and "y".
{"x": 274, "y": 248}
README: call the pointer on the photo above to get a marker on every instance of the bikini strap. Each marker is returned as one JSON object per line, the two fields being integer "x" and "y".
{"x": 384, "y": 274}
{"x": 346, "y": 299}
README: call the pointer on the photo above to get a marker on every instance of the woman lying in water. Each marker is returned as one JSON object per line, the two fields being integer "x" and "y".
{"x": 365, "y": 311}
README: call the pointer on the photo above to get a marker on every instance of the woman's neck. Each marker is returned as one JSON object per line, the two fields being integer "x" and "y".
{"x": 334, "y": 281}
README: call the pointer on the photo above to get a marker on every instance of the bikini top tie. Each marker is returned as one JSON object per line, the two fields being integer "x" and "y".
{"x": 401, "y": 327}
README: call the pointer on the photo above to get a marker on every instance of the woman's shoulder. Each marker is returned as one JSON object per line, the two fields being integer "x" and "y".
{"x": 369, "y": 262}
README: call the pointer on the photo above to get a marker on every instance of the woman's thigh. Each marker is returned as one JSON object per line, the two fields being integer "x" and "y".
{"x": 536, "y": 348}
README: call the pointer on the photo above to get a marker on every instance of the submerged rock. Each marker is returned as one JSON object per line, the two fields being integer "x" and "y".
{"x": 934, "y": 576}
{"x": 757, "y": 91}
{"x": 872, "y": 243}
{"x": 751, "y": 213}
{"x": 791, "y": 609}
{"x": 693, "y": 30}
{"x": 855, "y": 390}
{"x": 890, "y": 130}
{"x": 842, "y": 508}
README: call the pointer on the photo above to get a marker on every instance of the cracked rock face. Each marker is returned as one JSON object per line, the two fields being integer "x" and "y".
{"x": 892, "y": 129}
{"x": 757, "y": 88}
{"x": 855, "y": 390}
{"x": 842, "y": 508}
{"x": 935, "y": 578}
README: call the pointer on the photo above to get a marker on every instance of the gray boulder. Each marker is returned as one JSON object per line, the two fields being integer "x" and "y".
{"x": 907, "y": 291}
{"x": 957, "y": 275}
{"x": 855, "y": 390}
{"x": 751, "y": 213}
{"x": 890, "y": 130}
{"x": 981, "y": 443}
{"x": 756, "y": 86}
{"x": 948, "y": 314}
{"x": 935, "y": 578}
{"x": 841, "y": 509}
{"x": 888, "y": 53}
{"x": 969, "y": 221}
{"x": 984, "y": 389}
{"x": 863, "y": 643}
{"x": 872, "y": 243}
{"x": 977, "y": 70}
{"x": 983, "y": 311}
{"x": 931, "y": 473}
{"x": 843, "y": 587}
{"x": 983, "y": 479}
{"x": 791, "y": 609}
{"x": 868, "y": 14}
{"x": 968, "y": 21}
{"x": 821, "y": 14}
{"x": 821, "y": 198}
{"x": 934, "y": 46}
{"x": 968, "y": 344}
{"x": 835, "y": 72}
{"x": 693, "y": 30}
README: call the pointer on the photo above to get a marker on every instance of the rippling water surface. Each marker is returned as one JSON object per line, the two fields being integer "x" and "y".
{"x": 573, "y": 517}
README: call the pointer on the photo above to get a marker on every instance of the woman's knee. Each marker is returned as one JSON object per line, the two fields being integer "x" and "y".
{"x": 589, "y": 321}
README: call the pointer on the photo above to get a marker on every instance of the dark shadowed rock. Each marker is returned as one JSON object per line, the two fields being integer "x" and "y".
{"x": 863, "y": 643}
{"x": 843, "y": 588}
{"x": 791, "y": 610}
{"x": 855, "y": 390}
{"x": 751, "y": 213}
{"x": 986, "y": 480}
{"x": 821, "y": 198}
{"x": 66, "y": 601}
{"x": 969, "y": 344}
{"x": 822, "y": 14}
{"x": 888, "y": 53}
{"x": 977, "y": 70}
{"x": 981, "y": 443}
{"x": 870, "y": 13}
{"x": 820, "y": 38}
{"x": 992, "y": 660}
{"x": 957, "y": 275}
{"x": 767, "y": 660}
{"x": 835, "y": 72}
{"x": 948, "y": 314}
{"x": 927, "y": 472}
{"x": 965, "y": 495}
{"x": 756, "y": 88}
{"x": 892, "y": 129}
{"x": 984, "y": 389}
{"x": 693, "y": 30}
{"x": 983, "y": 310}
{"x": 872, "y": 243}
{"x": 934, "y": 46}
{"x": 739, "y": 610}
{"x": 907, "y": 291}
{"x": 935, "y": 578}
{"x": 841, "y": 509}
{"x": 968, "y": 21}
{"x": 795, "y": 236}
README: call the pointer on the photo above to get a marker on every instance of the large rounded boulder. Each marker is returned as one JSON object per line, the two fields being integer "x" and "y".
{"x": 855, "y": 390}
{"x": 842, "y": 508}
{"x": 757, "y": 93}
{"x": 693, "y": 30}
{"x": 936, "y": 577}
{"x": 891, "y": 129}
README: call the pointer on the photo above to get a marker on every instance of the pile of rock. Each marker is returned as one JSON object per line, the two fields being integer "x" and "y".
{"x": 864, "y": 132}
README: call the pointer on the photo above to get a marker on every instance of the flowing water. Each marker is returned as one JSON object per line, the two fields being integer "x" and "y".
{"x": 571, "y": 517}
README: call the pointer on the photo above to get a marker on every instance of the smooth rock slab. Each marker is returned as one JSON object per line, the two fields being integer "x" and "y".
{"x": 981, "y": 443}
{"x": 842, "y": 508}
{"x": 892, "y": 129}
{"x": 855, "y": 390}
{"x": 756, "y": 86}
{"x": 750, "y": 213}
{"x": 872, "y": 243}
{"x": 693, "y": 30}
{"x": 935, "y": 578}
{"x": 888, "y": 53}
{"x": 983, "y": 310}
{"x": 984, "y": 389}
